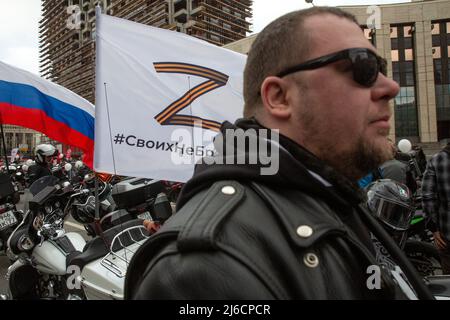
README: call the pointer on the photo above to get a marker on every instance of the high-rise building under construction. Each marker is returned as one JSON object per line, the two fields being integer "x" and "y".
{"x": 67, "y": 30}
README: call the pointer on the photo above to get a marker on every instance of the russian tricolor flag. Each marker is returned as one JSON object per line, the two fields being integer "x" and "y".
{"x": 30, "y": 101}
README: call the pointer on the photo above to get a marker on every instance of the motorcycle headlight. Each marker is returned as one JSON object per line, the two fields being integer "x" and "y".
{"x": 38, "y": 222}
{"x": 25, "y": 243}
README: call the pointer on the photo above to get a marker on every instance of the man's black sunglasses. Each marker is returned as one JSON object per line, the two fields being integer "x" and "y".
{"x": 365, "y": 64}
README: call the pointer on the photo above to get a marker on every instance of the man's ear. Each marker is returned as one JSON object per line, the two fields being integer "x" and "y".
{"x": 274, "y": 97}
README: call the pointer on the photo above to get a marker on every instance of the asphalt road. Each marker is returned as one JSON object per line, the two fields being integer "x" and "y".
{"x": 70, "y": 226}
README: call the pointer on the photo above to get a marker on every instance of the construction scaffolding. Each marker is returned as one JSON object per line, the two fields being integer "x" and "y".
{"x": 67, "y": 31}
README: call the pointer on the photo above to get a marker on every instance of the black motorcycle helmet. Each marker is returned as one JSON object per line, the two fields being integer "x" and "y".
{"x": 391, "y": 202}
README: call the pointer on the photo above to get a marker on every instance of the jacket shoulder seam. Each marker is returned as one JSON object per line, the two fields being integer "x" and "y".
{"x": 203, "y": 225}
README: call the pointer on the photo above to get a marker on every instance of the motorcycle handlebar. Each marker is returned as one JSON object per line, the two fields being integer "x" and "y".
{"x": 82, "y": 192}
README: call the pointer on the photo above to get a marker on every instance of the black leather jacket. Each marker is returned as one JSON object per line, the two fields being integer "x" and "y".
{"x": 288, "y": 236}
{"x": 221, "y": 246}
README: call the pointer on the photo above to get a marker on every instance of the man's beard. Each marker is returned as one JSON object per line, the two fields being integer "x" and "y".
{"x": 354, "y": 164}
{"x": 364, "y": 158}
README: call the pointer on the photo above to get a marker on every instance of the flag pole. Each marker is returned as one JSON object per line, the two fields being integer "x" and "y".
{"x": 4, "y": 143}
{"x": 97, "y": 224}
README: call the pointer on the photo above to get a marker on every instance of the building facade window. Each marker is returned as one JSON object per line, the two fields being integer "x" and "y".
{"x": 19, "y": 138}
{"x": 394, "y": 32}
{"x": 215, "y": 38}
{"x": 394, "y": 55}
{"x": 405, "y": 112}
{"x": 408, "y": 31}
{"x": 441, "y": 52}
{"x": 435, "y": 28}
{"x": 436, "y": 52}
{"x": 403, "y": 71}
{"x": 370, "y": 34}
{"x": 9, "y": 141}
{"x": 29, "y": 140}
{"x": 409, "y": 55}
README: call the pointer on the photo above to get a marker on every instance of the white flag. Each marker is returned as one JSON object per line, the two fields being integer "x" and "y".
{"x": 160, "y": 99}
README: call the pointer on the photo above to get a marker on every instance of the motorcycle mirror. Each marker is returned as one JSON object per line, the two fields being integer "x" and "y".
{"x": 67, "y": 167}
{"x": 404, "y": 145}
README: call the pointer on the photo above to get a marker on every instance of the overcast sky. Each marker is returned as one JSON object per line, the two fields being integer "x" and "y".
{"x": 19, "y": 21}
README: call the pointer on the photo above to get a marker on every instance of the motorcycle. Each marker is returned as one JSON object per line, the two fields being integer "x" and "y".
{"x": 19, "y": 178}
{"x": 130, "y": 203}
{"x": 419, "y": 245}
{"x": 54, "y": 264}
{"x": 82, "y": 208}
{"x": 10, "y": 217}
{"x": 404, "y": 220}
{"x": 424, "y": 256}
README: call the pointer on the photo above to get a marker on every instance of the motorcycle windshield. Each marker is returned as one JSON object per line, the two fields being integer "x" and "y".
{"x": 41, "y": 183}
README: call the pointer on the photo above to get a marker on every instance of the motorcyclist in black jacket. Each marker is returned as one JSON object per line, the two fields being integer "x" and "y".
{"x": 43, "y": 162}
{"x": 293, "y": 225}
